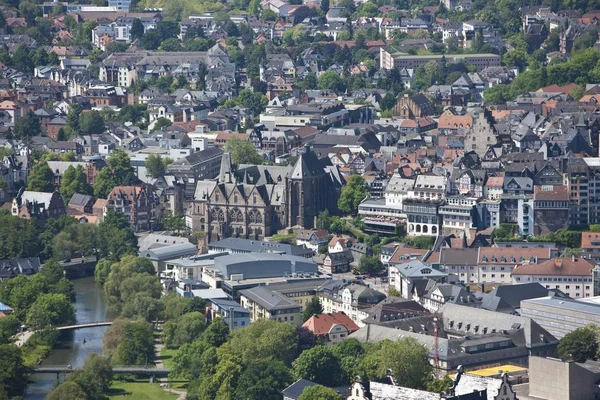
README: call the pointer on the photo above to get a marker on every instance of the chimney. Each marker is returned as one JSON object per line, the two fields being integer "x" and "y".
{"x": 558, "y": 262}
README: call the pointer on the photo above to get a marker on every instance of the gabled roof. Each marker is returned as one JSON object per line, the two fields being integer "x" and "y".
{"x": 557, "y": 267}
{"x": 295, "y": 389}
{"x": 323, "y": 323}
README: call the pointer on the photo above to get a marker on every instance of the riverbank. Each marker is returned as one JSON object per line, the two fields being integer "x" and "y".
{"x": 72, "y": 346}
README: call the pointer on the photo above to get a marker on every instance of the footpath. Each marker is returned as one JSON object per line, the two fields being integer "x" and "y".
{"x": 164, "y": 381}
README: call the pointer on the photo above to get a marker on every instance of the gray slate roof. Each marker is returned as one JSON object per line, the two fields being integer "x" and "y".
{"x": 268, "y": 299}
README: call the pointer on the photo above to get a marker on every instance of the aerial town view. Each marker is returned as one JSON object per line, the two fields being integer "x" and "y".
{"x": 300, "y": 200}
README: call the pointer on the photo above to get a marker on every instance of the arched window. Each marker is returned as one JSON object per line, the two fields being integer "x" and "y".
{"x": 425, "y": 229}
{"x": 218, "y": 215}
{"x": 255, "y": 217}
{"x": 418, "y": 228}
{"x": 434, "y": 229}
{"x": 236, "y": 215}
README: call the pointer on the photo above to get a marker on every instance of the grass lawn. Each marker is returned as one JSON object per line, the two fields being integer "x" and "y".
{"x": 166, "y": 355}
{"x": 139, "y": 390}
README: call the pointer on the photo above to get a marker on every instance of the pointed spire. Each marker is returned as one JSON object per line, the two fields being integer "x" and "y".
{"x": 226, "y": 170}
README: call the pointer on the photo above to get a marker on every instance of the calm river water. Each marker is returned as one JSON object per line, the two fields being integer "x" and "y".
{"x": 90, "y": 306}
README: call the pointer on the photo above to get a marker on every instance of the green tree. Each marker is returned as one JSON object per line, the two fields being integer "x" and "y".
{"x": 50, "y": 310}
{"x": 72, "y": 126}
{"x": 102, "y": 270}
{"x": 161, "y": 122}
{"x": 408, "y": 361}
{"x": 67, "y": 391}
{"x": 264, "y": 339}
{"x": 263, "y": 380}
{"x": 243, "y": 152}
{"x": 27, "y": 126}
{"x": 313, "y": 307}
{"x": 577, "y": 92}
{"x": 74, "y": 180}
{"x": 22, "y": 59}
{"x": 440, "y": 385}
{"x": 156, "y": 166}
{"x": 9, "y": 326}
{"x": 136, "y": 346}
{"x": 184, "y": 329}
{"x": 579, "y": 345}
{"x": 13, "y": 374}
{"x": 352, "y": 194}
{"x": 195, "y": 359}
{"x": 41, "y": 179}
{"x": 142, "y": 306}
{"x": 118, "y": 172}
{"x": 319, "y": 365}
{"x": 216, "y": 334}
{"x": 319, "y": 393}
{"x": 150, "y": 40}
{"x": 94, "y": 378}
{"x": 173, "y": 222}
{"x": 246, "y": 98}
{"x": 91, "y": 123}
{"x": 137, "y": 29}
{"x": 331, "y": 80}
{"x": 369, "y": 264}
{"x": 388, "y": 102}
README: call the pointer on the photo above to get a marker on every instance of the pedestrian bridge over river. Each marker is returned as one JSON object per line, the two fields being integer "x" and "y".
{"x": 86, "y": 325}
{"x": 124, "y": 369}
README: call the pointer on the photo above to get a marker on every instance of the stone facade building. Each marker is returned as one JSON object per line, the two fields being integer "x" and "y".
{"x": 255, "y": 201}
{"x": 138, "y": 203}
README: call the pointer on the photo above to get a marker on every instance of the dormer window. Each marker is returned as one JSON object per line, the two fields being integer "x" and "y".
{"x": 503, "y": 259}
{"x": 512, "y": 259}
{"x": 494, "y": 259}
{"x": 521, "y": 259}
{"x": 484, "y": 259}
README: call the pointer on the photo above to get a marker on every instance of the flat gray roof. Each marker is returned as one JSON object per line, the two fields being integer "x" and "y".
{"x": 565, "y": 304}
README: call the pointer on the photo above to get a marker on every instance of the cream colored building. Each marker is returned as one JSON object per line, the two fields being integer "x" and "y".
{"x": 266, "y": 304}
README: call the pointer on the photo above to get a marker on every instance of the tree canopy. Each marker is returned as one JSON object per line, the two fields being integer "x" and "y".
{"x": 579, "y": 345}
{"x": 352, "y": 194}
{"x": 243, "y": 152}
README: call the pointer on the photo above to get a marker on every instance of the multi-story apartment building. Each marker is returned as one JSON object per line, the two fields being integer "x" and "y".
{"x": 572, "y": 276}
{"x": 550, "y": 209}
{"x": 492, "y": 265}
{"x": 392, "y": 57}
{"x": 457, "y": 214}
{"x": 422, "y": 217}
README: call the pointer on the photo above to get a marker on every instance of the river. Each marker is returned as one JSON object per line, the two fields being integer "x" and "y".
{"x": 90, "y": 306}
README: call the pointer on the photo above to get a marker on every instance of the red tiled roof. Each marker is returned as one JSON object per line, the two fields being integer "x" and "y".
{"x": 590, "y": 240}
{"x": 558, "y": 267}
{"x": 321, "y": 324}
{"x": 558, "y": 89}
{"x": 448, "y": 121}
{"x": 511, "y": 255}
{"x": 495, "y": 181}
{"x": 403, "y": 254}
{"x": 555, "y": 193}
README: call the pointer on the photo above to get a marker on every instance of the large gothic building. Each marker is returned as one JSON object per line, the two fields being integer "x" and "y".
{"x": 255, "y": 201}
